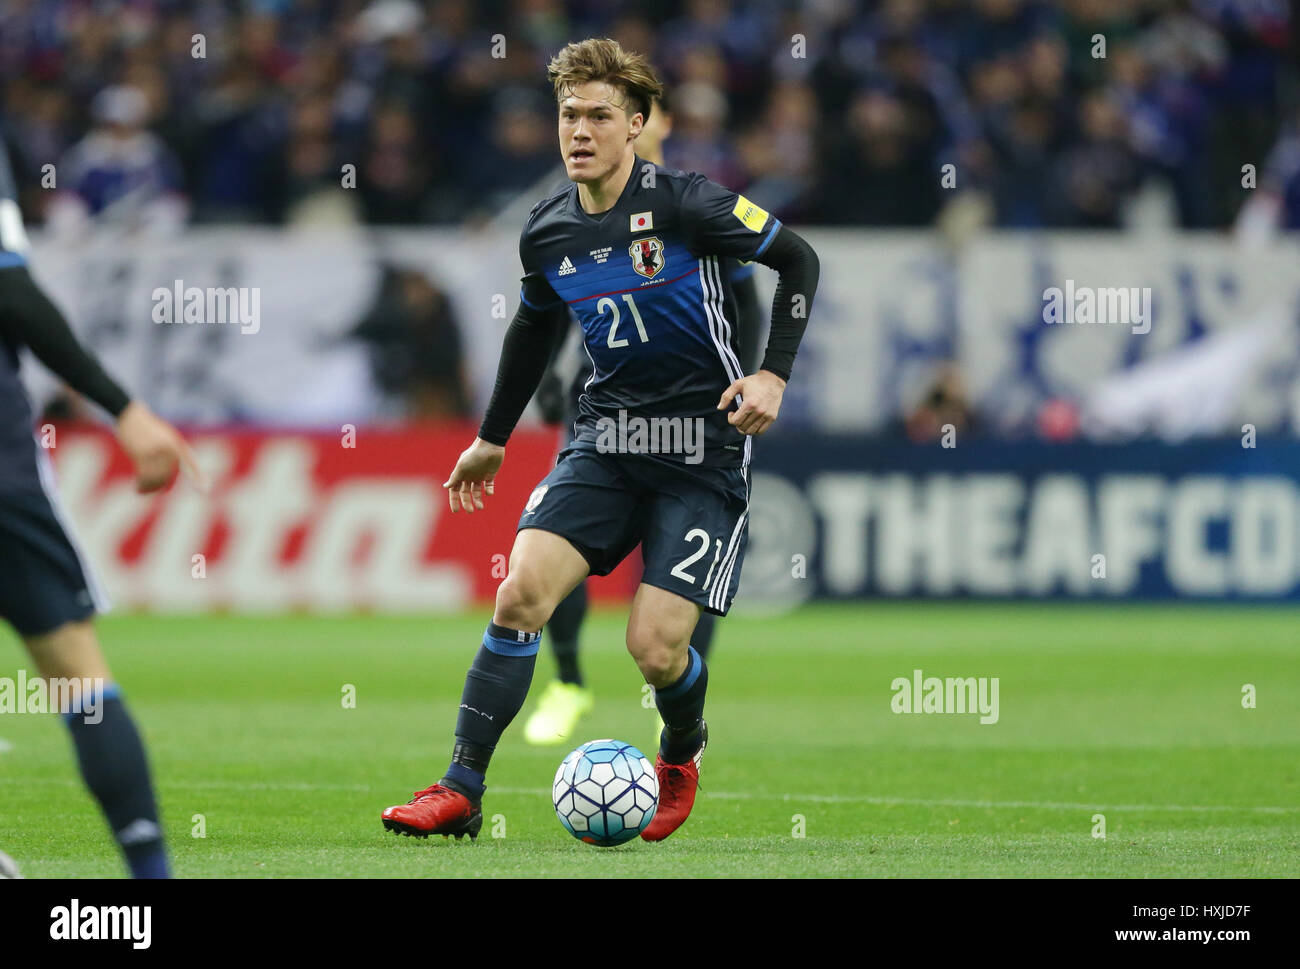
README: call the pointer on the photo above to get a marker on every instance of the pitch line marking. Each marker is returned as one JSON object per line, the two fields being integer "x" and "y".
{"x": 881, "y": 800}
{"x": 952, "y": 802}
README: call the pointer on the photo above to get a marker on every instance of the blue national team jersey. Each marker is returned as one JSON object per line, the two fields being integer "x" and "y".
{"x": 645, "y": 281}
{"x": 17, "y": 448}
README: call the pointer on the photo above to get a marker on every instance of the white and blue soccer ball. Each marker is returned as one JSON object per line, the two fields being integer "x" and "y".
{"x": 605, "y": 793}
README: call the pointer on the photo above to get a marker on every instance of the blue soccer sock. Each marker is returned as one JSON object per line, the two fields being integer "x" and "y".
{"x": 681, "y": 704}
{"x": 495, "y": 689}
{"x": 115, "y": 769}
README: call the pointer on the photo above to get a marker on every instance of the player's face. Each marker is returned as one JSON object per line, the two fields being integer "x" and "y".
{"x": 595, "y": 131}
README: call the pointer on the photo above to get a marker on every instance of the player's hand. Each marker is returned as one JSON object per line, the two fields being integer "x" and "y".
{"x": 760, "y": 395}
{"x": 156, "y": 449}
{"x": 472, "y": 478}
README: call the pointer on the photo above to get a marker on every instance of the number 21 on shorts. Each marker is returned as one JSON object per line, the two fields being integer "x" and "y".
{"x": 701, "y": 536}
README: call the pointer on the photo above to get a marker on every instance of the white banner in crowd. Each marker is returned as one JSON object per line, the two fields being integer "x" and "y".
{"x": 1028, "y": 317}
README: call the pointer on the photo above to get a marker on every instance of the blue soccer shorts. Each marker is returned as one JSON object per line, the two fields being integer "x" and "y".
{"x": 692, "y": 522}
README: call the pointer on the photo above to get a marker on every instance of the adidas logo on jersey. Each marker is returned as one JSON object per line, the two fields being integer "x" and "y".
{"x": 567, "y": 267}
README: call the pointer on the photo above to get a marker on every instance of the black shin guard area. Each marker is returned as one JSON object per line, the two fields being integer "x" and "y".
{"x": 681, "y": 704}
{"x": 113, "y": 765}
{"x": 495, "y": 688}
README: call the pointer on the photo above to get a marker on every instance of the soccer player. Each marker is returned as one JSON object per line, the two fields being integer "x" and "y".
{"x": 47, "y": 592}
{"x": 635, "y": 251}
{"x": 566, "y": 700}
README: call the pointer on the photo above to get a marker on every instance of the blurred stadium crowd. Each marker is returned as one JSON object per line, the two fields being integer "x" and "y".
{"x": 856, "y": 131}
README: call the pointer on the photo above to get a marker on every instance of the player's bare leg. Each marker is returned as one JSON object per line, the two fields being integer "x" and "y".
{"x": 659, "y": 639}
{"x": 109, "y": 750}
{"x": 72, "y": 650}
{"x": 544, "y": 568}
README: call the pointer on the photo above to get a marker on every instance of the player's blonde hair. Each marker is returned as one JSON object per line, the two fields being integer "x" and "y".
{"x": 602, "y": 59}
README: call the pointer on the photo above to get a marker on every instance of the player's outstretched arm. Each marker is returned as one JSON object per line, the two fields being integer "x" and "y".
{"x": 524, "y": 355}
{"x": 29, "y": 318}
{"x": 761, "y": 392}
{"x": 155, "y": 448}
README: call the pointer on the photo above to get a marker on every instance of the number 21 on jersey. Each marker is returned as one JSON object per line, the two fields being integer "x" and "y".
{"x": 613, "y": 341}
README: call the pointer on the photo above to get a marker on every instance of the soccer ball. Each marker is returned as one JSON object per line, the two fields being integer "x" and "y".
{"x": 605, "y": 793}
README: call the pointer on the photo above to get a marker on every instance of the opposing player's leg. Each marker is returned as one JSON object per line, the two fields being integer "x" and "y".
{"x": 544, "y": 568}
{"x": 565, "y": 700}
{"x": 702, "y": 638}
{"x": 48, "y": 595}
{"x": 659, "y": 639}
{"x": 563, "y": 628}
{"x": 110, "y": 753}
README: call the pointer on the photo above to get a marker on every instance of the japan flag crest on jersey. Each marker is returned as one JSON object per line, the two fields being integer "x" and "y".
{"x": 647, "y": 256}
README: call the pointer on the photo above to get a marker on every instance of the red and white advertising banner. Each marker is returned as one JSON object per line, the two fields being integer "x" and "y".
{"x": 356, "y": 520}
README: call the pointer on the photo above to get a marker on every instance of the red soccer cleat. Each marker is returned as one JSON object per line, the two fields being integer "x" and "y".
{"x": 435, "y": 810}
{"x": 677, "y": 786}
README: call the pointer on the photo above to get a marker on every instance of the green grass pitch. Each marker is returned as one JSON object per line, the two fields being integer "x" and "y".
{"x": 1134, "y": 712}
